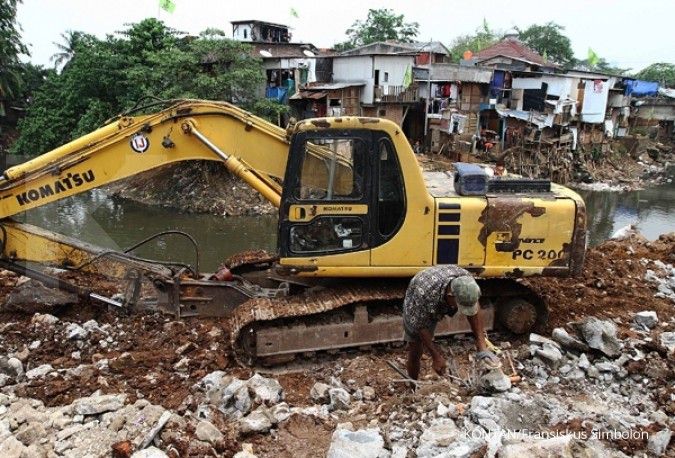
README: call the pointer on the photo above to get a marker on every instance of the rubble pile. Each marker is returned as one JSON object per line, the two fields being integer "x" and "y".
{"x": 194, "y": 187}
{"x": 598, "y": 381}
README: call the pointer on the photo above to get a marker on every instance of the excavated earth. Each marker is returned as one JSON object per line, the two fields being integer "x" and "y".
{"x": 95, "y": 383}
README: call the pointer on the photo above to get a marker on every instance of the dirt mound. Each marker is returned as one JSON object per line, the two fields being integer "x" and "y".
{"x": 194, "y": 187}
{"x": 612, "y": 284}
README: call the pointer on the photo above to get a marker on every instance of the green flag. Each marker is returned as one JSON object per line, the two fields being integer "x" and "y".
{"x": 167, "y": 5}
{"x": 592, "y": 58}
{"x": 294, "y": 13}
{"x": 408, "y": 77}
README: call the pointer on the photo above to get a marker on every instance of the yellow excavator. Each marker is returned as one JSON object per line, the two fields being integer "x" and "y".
{"x": 357, "y": 218}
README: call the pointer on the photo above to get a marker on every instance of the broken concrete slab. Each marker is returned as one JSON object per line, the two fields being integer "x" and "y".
{"x": 364, "y": 443}
{"x": 32, "y": 296}
{"x": 96, "y": 404}
{"x": 561, "y": 336}
{"x": 600, "y": 335}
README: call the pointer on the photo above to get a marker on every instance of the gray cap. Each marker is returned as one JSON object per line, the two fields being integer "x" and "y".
{"x": 465, "y": 290}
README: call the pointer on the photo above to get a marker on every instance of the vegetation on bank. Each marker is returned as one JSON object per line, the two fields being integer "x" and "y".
{"x": 97, "y": 79}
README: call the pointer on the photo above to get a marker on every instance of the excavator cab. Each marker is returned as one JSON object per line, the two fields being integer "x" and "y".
{"x": 352, "y": 200}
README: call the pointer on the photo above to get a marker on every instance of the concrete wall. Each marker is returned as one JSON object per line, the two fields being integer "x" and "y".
{"x": 242, "y": 32}
{"x": 356, "y": 69}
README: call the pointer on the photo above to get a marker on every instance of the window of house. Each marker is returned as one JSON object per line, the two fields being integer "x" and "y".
{"x": 245, "y": 34}
{"x": 386, "y": 77}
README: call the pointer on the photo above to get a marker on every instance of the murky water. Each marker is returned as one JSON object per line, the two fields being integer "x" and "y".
{"x": 651, "y": 210}
{"x": 117, "y": 223}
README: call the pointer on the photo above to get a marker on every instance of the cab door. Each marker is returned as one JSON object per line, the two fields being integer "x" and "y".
{"x": 325, "y": 209}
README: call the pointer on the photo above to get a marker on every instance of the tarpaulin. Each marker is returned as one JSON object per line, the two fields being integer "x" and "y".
{"x": 639, "y": 88}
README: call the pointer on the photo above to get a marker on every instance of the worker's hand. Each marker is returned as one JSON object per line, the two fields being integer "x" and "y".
{"x": 439, "y": 365}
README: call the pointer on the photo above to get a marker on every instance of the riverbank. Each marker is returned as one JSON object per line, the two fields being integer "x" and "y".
{"x": 78, "y": 380}
{"x": 206, "y": 187}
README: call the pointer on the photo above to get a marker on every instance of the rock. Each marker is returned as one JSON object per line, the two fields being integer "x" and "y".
{"x": 495, "y": 380}
{"x": 399, "y": 451}
{"x": 606, "y": 366}
{"x": 667, "y": 340}
{"x": 646, "y": 319}
{"x": 39, "y": 371}
{"x": 182, "y": 365}
{"x": 440, "y": 434}
{"x": 267, "y": 391}
{"x": 12, "y": 448}
{"x": 246, "y": 452}
{"x": 368, "y": 393}
{"x": 22, "y": 355}
{"x": 257, "y": 421}
{"x": 339, "y": 399}
{"x": 561, "y": 336}
{"x": 150, "y": 452}
{"x": 658, "y": 442}
{"x": 280, "y": 412}
{"x": 33, "y": 296}
{"x": 11, "y": 367}
{"x": 75, "y": 332}
{"x": 5, "y": 380}
{"x": 44, "y": 319}
{"x": 96, "y": 404}
{"x": 550, "y": 354}
{"x": 242, "y": 400}
{"x": 30, "y": 433}
{"x": 208, "y": 433}
{"x": 364, "y": 443}
{"x": 600, "y": 335}
{"x": 213, "y": 380}
{"x": 34, "y": 345}
{"x": 583, "y": 362}
{"x": 319, "y": 393}
{"x": 91, "y": 326}
{"x": 541, "y": 340}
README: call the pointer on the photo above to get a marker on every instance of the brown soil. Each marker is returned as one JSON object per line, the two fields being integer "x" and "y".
{"x": 612, "y": 284}
{"x": 194, "y": 187}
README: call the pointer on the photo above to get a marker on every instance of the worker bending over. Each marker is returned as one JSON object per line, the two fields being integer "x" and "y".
{"x": 432, "y": 294}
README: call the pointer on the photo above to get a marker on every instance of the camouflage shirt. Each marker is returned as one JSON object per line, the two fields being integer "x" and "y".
{"x": 424, "y": 304}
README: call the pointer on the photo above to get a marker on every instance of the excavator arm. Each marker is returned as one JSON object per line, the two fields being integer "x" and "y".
{"x": 250, "y": 147}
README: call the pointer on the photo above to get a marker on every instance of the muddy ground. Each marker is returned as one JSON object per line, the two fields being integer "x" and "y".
{"x": 150, "y": 359}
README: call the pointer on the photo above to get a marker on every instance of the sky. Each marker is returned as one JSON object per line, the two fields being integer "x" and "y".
{"x": 627, "y": 34}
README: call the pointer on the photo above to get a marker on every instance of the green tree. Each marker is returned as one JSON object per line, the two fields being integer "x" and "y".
{"x": 484, "y": 37}
{"x": 548, "y": 40}
{"x": 106, "y": 77}
{"x": 70, "y": 42}
{"x": 662, "y": 72}
{"x": 11, "y": 47}
{"x": 380, "y": 25}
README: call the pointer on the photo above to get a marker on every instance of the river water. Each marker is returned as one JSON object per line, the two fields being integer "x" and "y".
{"x": 116, "y": 223}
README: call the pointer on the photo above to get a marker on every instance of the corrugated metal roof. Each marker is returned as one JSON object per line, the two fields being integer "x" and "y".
{"x": 308, "y": 95}
{"x": 335, "y": 86}
{"x": 283, "y": 50}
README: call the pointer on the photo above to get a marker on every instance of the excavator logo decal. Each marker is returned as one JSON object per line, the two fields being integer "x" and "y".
{"x": 70, "y": 181}
{"x": 140, "y": 143}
